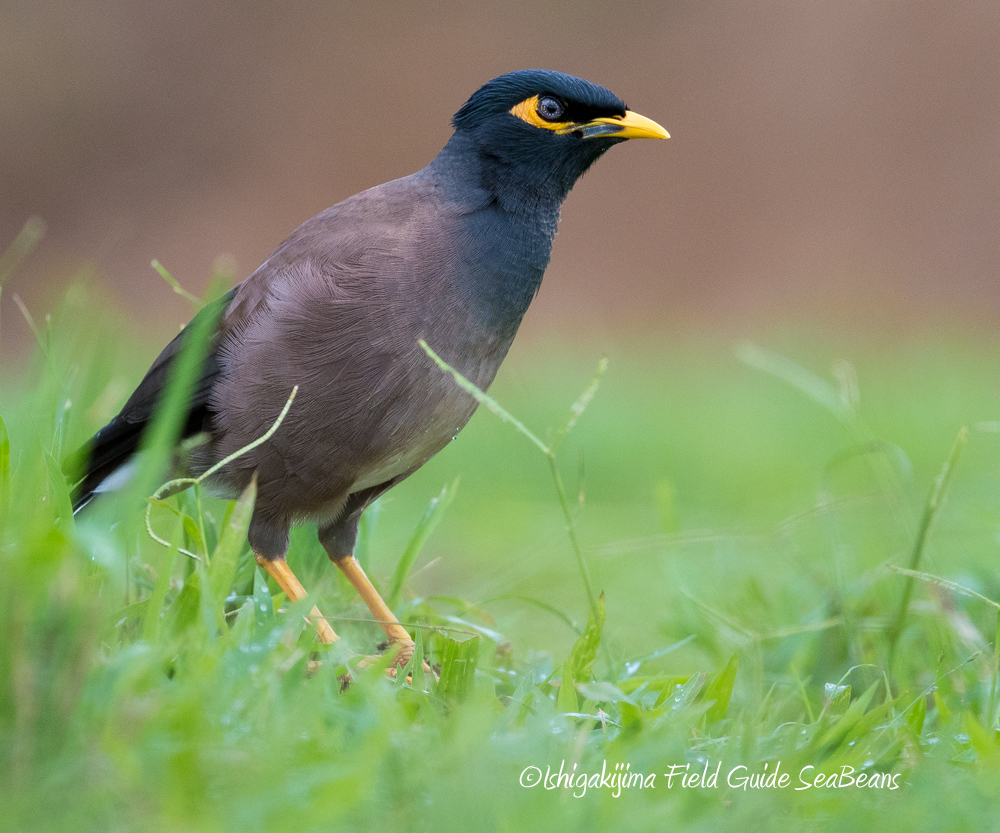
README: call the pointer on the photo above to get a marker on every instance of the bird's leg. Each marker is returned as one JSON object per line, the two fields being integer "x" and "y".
{"x": 278, "y": 569}
{"x": 395, "y": 632}
{"x": 338, "y": 540}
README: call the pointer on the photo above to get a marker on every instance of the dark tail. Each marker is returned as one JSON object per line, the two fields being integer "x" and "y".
{"x": 110, "y": 449}
{"x": 113, "y": 446}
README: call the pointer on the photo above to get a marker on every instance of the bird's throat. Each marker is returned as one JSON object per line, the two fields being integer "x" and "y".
{"x": 505, "y": 235}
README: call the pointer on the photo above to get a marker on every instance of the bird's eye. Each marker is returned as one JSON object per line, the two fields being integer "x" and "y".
{"x": 550, "y": 109}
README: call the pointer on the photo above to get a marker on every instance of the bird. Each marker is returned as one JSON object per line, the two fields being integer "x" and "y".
{"x": 452, "y": 255}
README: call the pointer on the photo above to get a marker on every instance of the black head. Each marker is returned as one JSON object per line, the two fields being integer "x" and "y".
{"x": 536, "y": 131}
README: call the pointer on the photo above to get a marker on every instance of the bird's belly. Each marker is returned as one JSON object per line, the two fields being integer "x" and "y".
{"x": 409, "y": 452}
{"x": 394, "y": 466}
{"x": 425, "y": 413}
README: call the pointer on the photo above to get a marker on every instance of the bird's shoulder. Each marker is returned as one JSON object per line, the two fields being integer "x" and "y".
{"x": 362, "y": 246}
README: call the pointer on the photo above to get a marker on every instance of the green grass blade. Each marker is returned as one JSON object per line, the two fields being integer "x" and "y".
{"x": 4, "y": 477}
{"x": 813, "y": 386}
{"x": 541, "y": 605}
{"x": 154, "y": 610}
{"x": 847, "y": 721}
{"x": 581, "y": 561}
{"x": 41, "y": 336}
{"x": 23, "y": 244}
{"x": 212, "y": 618}
{"x": 578, "y": 667}
{"x": 59, "y": 492}
{"x": 577, "y": 408}
{"x": 916, "y": 715}
{"x": 458, "y": 668}
{"x": 934, "y": 502}
{"x": 263, "y": 604}
{"x": 183, "y": 612}
{"x": 160, "y": 438}
{"x": 484, "y": 399}
{"x": 161, "y": 270}
{"x": 472, "y": 627}
{"x": 418, "y": 680}
{"x": 194, "y": 541}
{"x": 432, "y": 517}
{"x": 506, "y": 416}
{"x": 604, "y": 692}
{"x": 720, "y": 689}
{"x": 943, "y": 582}
{"x": 222, "y": 566}
{"x": 995, "y": 681}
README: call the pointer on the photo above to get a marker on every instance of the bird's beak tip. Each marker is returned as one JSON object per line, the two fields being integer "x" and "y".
{"x": 639, "y": 127}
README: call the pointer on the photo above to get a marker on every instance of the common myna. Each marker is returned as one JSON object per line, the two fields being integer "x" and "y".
{"x": 452, "y": 254}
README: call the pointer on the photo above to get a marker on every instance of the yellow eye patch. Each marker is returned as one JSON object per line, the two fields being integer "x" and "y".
{"x": 527, "y": 111}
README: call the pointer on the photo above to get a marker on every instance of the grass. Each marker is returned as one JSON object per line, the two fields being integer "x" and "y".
{"x": 740, "y": 515}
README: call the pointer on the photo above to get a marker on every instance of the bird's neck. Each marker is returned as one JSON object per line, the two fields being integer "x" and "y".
{"x": 524, "y": 187}
{"x": 505, "y": 235}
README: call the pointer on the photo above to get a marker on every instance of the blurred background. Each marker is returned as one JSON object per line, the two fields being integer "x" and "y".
{"x": 833, "y": 164}
{"x": 828, "y": 206}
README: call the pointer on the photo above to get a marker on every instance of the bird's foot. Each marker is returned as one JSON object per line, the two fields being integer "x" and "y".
{"x": 402, "y": 659}
{"x": 404, "y": 652}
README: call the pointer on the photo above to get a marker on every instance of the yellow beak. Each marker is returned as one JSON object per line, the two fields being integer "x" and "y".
{"x": 629, "y": 126}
